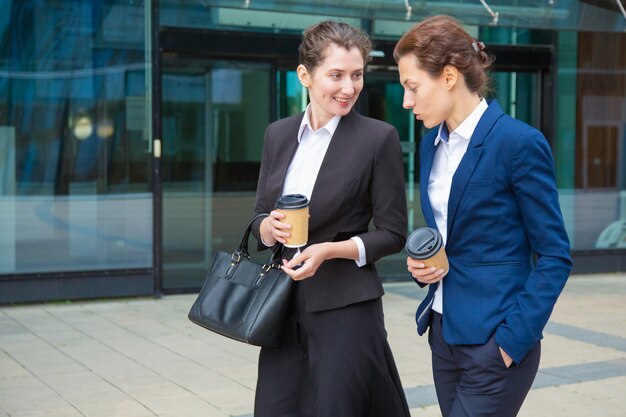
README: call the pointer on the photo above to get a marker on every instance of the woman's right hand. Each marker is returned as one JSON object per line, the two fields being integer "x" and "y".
{"x": 422, "y": 273}
{"x": 273, "y": 230}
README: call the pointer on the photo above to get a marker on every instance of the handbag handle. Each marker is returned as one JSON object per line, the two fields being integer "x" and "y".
{"x": 242, "y": 249}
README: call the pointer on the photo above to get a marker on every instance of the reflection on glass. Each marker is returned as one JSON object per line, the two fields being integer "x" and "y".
{"x": 381, "y": 99}
{"x": 214, "y": 116}
{"x": 74, "y": 170}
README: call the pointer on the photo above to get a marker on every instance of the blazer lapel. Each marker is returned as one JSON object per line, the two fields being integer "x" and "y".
{"x": 323, "y": 200}
{"x": 287, "y": 142}
{"x": 427, "y": 163}
{"x": 470, "y": 159}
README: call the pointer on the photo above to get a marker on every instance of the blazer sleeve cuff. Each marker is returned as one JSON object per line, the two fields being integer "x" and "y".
{"x": 362, "y": 261}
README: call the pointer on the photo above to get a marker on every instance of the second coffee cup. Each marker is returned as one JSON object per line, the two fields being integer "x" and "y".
{"x": 295, "y": 207}
{"x": 426, "y": 245}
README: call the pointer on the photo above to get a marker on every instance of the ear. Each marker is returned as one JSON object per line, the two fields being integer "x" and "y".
{"x": 304, "y": 76}
{"x": 451, "y": 76}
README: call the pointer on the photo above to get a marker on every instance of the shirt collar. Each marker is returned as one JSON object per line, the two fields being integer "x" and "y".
{"x": 466, "y": 129}
{"x": 330, "y": 127}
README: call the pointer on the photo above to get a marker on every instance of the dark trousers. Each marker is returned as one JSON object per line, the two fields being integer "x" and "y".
{"x": 334, "y": 363}
{"x": 473, "y": 381}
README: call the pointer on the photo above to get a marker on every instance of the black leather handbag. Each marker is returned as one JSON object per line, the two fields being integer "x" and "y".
{"x": 245, "y": 300}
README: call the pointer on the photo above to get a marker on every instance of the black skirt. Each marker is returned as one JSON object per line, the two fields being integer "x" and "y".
{"x": 334, "y": 363}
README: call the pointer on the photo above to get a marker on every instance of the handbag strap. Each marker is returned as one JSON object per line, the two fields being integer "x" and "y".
{"x": 242, "y": 249}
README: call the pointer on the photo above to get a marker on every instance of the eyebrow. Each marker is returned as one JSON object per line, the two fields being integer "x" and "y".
{"x": 345, "y": 70}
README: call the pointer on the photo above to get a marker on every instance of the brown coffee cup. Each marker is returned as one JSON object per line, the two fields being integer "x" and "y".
{"x": 295, "y": 207}
{"x": 426, "y": 245}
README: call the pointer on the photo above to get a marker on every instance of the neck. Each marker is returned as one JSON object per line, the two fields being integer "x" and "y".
{"x": 318, "y": 119}
{"x": 465, "y": 103}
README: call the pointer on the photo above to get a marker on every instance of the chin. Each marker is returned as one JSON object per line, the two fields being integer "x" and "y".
{"x": 342, "y": 111}
{"x": 430, "y": 124}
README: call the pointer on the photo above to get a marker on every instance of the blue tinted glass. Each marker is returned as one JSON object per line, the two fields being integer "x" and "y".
{"x": 74, "y": 167}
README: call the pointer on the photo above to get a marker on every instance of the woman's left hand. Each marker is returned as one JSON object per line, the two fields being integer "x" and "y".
{"x": 309, "y": 260}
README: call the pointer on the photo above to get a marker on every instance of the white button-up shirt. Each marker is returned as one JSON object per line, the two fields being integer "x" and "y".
{"x": 305, "y": 165}
{"x": 451, "y": 149}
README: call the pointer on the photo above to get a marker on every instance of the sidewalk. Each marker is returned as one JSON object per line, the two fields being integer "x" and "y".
{"x": 142, "y": 357}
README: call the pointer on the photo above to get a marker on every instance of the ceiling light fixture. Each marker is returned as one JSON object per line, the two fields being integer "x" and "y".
{"x": 409, "y": 10}
{"x": 494, "y": 20}
{"x": 621, "y": 7}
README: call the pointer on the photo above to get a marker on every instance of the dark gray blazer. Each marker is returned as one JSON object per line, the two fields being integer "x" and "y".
{"x": 361, "y": 179}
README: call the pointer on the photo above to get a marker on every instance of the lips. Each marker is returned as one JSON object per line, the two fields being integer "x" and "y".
{"x": 341, "y": 100}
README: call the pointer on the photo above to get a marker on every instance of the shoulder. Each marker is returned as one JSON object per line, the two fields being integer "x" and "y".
{"x": 367, "y": 124}
{"x": 520, "y": 140}
{"x": 516, "y": 125}
{"x": 286, "y": 123}
{"x": 524, "y": 133}
{"x": 370, "y": 132}
{"x": 516, "y": 132}
{"x": 283, "y": 129}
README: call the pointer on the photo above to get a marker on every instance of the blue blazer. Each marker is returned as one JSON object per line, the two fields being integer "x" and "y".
{"x": 503, "y": 210}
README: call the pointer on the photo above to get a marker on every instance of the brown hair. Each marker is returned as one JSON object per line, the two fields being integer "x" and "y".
{"x": 318, "y": 37}
{"x": 441, "y": 40}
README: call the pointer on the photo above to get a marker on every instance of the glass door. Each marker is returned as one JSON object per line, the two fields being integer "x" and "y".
{"x": 214, "y": 115}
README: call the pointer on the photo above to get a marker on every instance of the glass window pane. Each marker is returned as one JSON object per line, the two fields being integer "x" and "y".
{"x": 214, "y": 116}
{"x": 591, "y": 146}
{"x": 74, "y": 160}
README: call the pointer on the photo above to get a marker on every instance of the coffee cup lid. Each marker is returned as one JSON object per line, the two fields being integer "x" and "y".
{"x": 292, "y": 201}
{"x": 423, "y": 243}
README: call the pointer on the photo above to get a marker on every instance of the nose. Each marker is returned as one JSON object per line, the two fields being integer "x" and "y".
{"x": 348, "y": 86}
{"x": 408, "y": 101}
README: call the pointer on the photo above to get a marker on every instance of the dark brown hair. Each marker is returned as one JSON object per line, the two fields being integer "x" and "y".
{"x": 441, "y": 40}
{"x": 318, "y": 37}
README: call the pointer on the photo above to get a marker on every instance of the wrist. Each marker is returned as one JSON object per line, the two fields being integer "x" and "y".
{"x": 266, "y": 234}
{"x": 328, "y": 250}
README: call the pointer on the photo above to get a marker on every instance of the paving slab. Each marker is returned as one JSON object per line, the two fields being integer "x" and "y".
{"x": 141, "y": 357}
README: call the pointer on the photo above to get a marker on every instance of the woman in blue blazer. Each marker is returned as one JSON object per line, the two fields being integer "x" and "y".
{"x": 487, "y": 184}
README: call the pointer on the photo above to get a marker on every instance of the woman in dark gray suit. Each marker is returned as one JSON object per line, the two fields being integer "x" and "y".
{"x": 334, "y": 360}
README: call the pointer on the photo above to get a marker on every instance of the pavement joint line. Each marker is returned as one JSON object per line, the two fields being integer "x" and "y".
{"x": 37, "y": 377}
{"x": 196, "y": 363}
{"x": 113, "y": 349}
{"x": 425, "y": 395}
{"x": 587, "y": 336}
{"x": 192, "y": 336}
{"x": 559, "y": 329}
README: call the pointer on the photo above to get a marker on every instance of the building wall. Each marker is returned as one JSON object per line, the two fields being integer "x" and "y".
{"x": 80, "y": 91}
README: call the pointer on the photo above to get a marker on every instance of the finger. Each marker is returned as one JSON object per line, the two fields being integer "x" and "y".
{"x": 296, "y": 275}
{"x": 280, "y": 233}
{"x": 277, "y": 214}
{"x": 430, "y": 278}
{"x": 422, "y": 271}
{"x": 279, "y": 238}
{"x": 426, "y": 281}
{"x": 280, "y": 227}
{"x": 414, "y": 263}
{"x": 297, "y": 260}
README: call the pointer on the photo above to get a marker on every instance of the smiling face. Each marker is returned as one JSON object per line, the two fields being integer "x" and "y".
{"x": 428, "y": 97}
{"x": 335, "y": 84}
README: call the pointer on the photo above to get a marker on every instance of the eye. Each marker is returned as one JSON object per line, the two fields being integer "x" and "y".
{"x": 413, "y": 90}
{"x": 335, "y": 75}
{"x": 357, "y": 76}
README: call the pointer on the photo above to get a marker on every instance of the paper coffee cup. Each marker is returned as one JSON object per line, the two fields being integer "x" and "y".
{"x": 426, "y": 245}
{"x": 295, "y": 207}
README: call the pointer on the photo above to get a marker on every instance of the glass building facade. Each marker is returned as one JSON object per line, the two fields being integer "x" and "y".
{"x": 131, "y": 131}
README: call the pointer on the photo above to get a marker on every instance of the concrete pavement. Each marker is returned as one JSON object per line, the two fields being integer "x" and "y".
{"x": 142, "y": 357}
